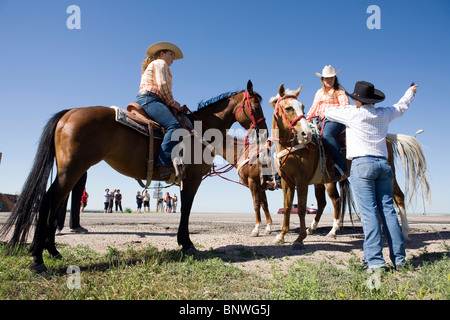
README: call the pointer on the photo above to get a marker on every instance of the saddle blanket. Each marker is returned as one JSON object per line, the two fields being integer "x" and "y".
{"x": 123, "y": 118}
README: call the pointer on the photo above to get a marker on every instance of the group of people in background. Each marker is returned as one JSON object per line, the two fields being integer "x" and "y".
{"x": 110, "y": 198}
{"x": 166, "y": 204}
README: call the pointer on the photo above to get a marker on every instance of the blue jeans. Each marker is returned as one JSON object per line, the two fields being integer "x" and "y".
{"x": 371, "y": 181}
{"x": 160, "y": 113}
{"x": 330, "y": 131}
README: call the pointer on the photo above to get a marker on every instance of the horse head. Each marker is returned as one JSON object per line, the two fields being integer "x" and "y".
{"x": 249, "y": 113}
{"x": 289, "y": 115}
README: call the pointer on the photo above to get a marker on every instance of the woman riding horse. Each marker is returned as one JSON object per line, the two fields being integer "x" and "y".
{"x": 155, "y": 97}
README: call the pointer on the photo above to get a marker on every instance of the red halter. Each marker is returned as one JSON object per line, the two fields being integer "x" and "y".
{"x": 248, "y": 105}
{"x": 279, "y": 108}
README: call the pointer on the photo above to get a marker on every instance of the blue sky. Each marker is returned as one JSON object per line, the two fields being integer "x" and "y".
{"x": 46, "y": 67}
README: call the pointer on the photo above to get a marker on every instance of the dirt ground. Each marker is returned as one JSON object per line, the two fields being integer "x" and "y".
{"x": 229, "y": 235}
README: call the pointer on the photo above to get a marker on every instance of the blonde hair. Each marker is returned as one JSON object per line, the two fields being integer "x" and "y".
{"x": 151, "y": 58}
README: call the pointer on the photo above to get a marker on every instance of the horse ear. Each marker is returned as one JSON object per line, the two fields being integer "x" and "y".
{"x": 250, "y": 87}
{"x": 281, "y": 90}
{"x": 297, "y": 92}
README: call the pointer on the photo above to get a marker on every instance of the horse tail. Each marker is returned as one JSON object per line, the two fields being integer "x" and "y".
{"x": 346, "y": 199}
{"x": 413, "y": 159}
{"x": 29, "y": 202}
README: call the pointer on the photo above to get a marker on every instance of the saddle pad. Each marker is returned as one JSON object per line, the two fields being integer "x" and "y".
{"x": 123, "y": 118}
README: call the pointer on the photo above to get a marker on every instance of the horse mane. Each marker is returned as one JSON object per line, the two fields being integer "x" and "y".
{"x": 204, "y": 104}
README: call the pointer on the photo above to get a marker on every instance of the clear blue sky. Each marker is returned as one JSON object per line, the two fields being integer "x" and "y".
{"x": 46, "y": 67}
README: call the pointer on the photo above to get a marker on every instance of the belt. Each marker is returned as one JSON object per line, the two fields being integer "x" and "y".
{"x": 148, "y": 93}
{"x": 378, "y": 157}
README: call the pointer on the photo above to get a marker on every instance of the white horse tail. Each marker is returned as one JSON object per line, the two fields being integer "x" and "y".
{"x": 409, "y": 150}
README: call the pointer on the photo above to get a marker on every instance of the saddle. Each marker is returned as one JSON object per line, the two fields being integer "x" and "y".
{"x": 136, "y": 118}
{"x": 326, "y": 161}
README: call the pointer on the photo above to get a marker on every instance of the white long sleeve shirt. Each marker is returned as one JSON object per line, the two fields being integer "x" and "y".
{"x": 367, "y": 126}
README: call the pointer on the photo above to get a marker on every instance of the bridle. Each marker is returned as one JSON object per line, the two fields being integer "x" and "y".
{"x": 280, "y": 109}
{"x": 246, "y": 104}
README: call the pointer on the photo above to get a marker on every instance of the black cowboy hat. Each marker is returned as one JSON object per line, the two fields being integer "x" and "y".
{"x": 365, "y": 92}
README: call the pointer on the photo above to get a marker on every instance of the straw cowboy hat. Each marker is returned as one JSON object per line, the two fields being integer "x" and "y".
{"x": 328, "y": 72}
{"x": 164, "y": 46}
{"x": 365, "y": 92}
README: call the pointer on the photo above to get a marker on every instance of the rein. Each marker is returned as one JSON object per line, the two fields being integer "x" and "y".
{"x": 247, "y": 105}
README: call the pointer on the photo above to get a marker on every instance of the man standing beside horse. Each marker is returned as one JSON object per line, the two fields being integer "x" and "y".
{"x": 371, "y": 175}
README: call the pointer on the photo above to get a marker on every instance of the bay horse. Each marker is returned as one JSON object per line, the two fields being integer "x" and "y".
{"x": 254, "y": 167}
{"x": 82, "y": 137}
{"x": 405, "y": 147}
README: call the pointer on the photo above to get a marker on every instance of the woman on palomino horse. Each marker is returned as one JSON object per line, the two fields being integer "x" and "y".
{"x": 332, "y": 94}
{"x": 155, "y": 97}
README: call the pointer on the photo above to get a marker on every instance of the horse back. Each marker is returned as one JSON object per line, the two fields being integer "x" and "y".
{"x": 91, "y": 134}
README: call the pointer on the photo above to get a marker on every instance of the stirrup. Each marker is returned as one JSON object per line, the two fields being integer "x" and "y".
{"x": 180, "y": 168}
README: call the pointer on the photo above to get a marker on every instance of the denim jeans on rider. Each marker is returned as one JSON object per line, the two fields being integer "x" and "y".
{"x": 371, "y": 182}
{"x": 160, "y": 113}
{"x": 330, "y": 131}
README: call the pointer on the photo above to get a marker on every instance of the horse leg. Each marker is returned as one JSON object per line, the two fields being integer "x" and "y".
{"x": 302, "y": 195}
{"x": 288, "y": 195}
{"x": 319, "y": 191}
{"x": 256, "y": 206}
{"x": 44, "y": 237}
{"x": 265, "y": 208}
{"x": 46, "y": 224}
{"x": 190, "y": 187}
{"x": 77, "y": 192}
{"x": 399, "y": 199}
{"x": 336, "y": 200}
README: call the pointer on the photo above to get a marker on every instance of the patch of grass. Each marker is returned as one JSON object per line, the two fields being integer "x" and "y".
{"x": 324, "y": 281}
{"x": 168, "y": 274}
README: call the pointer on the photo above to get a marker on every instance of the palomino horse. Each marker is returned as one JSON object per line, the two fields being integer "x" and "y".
{"x": 254, "y": 167}
{"x": 300, "y": 165}
{"x": 413, "y": 160}
{"x": 80, "y": 138}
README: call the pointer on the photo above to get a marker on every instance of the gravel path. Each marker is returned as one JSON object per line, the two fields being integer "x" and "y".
{"x": 229, "y": 234}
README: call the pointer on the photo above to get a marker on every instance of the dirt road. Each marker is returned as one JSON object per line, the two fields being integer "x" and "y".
{"x": 229, "y": 234}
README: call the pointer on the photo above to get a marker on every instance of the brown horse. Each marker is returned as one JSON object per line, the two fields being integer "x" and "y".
{"x": 254, "y": 168}
{"x": 408, "y": 149}
{"x": 80, "y": 138}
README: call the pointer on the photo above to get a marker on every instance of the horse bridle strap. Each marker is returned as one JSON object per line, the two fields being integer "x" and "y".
{"x": 291, "y": 124}
{"x": 248, "y": 105}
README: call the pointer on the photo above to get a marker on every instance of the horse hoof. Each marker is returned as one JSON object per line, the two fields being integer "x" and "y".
{"x": 254, "y": 234}
{"x": 268, "y": 232}
{"x": 298, "y": 245}
{"x": 38, "y": 268}
{"x": 279, "y": 239}
{"x": 58, "y": 256}
{"x": 331, "y": 234}
{"x": 309, "y": 231}
{"x": 190, "y": 251}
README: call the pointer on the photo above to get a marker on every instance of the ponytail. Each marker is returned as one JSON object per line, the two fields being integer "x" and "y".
{"x": 153, "y": 57}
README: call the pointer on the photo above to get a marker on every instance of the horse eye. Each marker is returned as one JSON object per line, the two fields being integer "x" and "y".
{"x": 289, "y": 109}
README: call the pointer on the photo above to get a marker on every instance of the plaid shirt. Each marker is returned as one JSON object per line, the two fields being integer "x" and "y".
{"x": 367, "y": 126}
{"x": 157, "y": 78}
{"x": 323, "y": 101}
